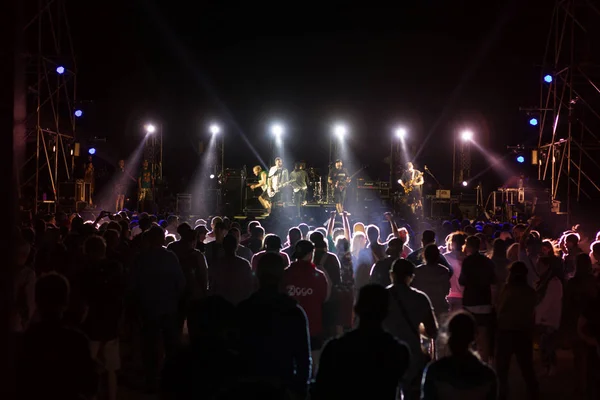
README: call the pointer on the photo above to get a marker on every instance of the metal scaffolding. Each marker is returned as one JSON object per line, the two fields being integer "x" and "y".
{"x": 569, "y": 126}
{"x": 50, "y": 86}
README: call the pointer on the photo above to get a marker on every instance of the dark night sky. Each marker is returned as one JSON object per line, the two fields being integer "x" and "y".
{"x": 435, "y": 66}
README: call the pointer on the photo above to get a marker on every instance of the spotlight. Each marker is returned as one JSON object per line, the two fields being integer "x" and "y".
{"x": 277, "y": 130}
{"x": 533, "y": 121}
{"x": 92, "y": 151}
{"x": 340, "y": 131}
{"x": 466, "y": 136}
{"x": 78, "y": 113}
{"x": 465, "y": 183}
{"x": 150, "y": 128}
{"x": 400, "y": 133}
{"x": 214, "y": 129}
{"x": 548, "y": 78}
{"x": 520, "y": 159}
{"x": 212, "y": 176}
{"x": 399, "y": 181}
{"x": 60, "y": 70}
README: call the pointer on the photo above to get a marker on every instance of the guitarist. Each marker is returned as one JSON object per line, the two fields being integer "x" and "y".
{"x": 412, "y": 182}
{"x": 277, "y": 176}
{"x": 339, "y": 178}
{"x": 299, "y": 182}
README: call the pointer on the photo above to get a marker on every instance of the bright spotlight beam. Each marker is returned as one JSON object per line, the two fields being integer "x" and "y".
{"x": 466, "y": 136}
{"x": 400, "y": 133}
{"x": 340, "y": 131}
{"x": 277, "y": 130}
{"x": 150, "y": 128}
{"x": 214, "y": 129}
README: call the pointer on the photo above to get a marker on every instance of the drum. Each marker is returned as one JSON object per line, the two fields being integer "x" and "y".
{"x": 315, "y": 194}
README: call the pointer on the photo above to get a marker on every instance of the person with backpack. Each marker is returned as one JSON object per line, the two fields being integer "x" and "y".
{"x": 409, "y": 308}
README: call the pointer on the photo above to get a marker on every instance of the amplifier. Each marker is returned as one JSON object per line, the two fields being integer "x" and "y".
{"x": 184, "y": 203}
{"x": 442, "y": 194}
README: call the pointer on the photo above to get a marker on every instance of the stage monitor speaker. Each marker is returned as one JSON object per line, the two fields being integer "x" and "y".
{"x": 184, "y": 203}
{"x": 469, "y": 211}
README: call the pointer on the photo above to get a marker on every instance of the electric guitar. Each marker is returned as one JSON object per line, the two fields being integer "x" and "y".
{"x": 272, "y": 191}
{"x": 410, "y": 185}
{"x": 341, "y": 185}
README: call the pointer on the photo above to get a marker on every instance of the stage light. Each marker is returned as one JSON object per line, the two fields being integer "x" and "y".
{"x": 520, "y": 159}
{"x": 150, "y": 128}
{"x": 399, "y": 181}
{"x": 60, "y": 70}
{"x": 214, "y": 129}
{"x": 465, "y": 183}
{"x": 277, "y": 130}
{"x": 533, "y": 121}
{"x": 466, "y": 136}
{"x": 212, "y": 176}
{"x": 92, "y": 151}
{"x": 78, "y": 113}
{"x": 340, "y": 131}
{"x": 548, "y": 78}
{"x": 400, "y": 133}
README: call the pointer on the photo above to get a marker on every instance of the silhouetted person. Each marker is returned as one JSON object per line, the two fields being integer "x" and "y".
{"x": 477, "y": 276}
{"x": 232, "y": 278}
{"x": 294, "y": 235}
{"x": 53, "y": 361}
{"x": 416, "y": 257}
{"x": 208, "y": 364}
{"x": 194, "y": 268}
{"x": 433, "y": 279}
{"x": 104, "y": 295}
{"x": 274, "y": 338}
{"x": 368, "y": 362}
{"x": 157, "y": 285}
{"x": 461, "y": 375}
{"x": 409, "y": 308}
{"x": 380, "y": 272}
{"x": 515, "y": 309}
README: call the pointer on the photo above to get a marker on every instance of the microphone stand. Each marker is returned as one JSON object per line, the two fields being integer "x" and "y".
{"x": 433, "y": 176}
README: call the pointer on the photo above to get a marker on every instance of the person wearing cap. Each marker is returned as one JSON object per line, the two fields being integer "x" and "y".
{"x": 272, "y": 245}
{"x": 380, "y": 272}
{"x": 310, "y": 288}
{"x": 409, "y": 308}
{"x": 339, "y": 178}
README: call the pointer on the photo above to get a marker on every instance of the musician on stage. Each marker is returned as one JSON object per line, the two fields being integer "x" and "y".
{"x": 412, "y": 182}
{"x": 339, "y": 178}
{"x": 299, "y": 183}
{"x": 262, "y": 183}
{"x": 278, "y": 175}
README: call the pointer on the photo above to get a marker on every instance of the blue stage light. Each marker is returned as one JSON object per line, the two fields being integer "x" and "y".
{"x": 92, "y": 151}
{"x": 60, "y": 70}
{"x": 548, "y": 78}
{"x": 520, "y": 159}
{"x": 78, "y": 113}
{"x": 533, "y": 121}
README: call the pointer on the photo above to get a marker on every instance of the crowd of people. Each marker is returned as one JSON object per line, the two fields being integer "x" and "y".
{"x": 222, "y": 309}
